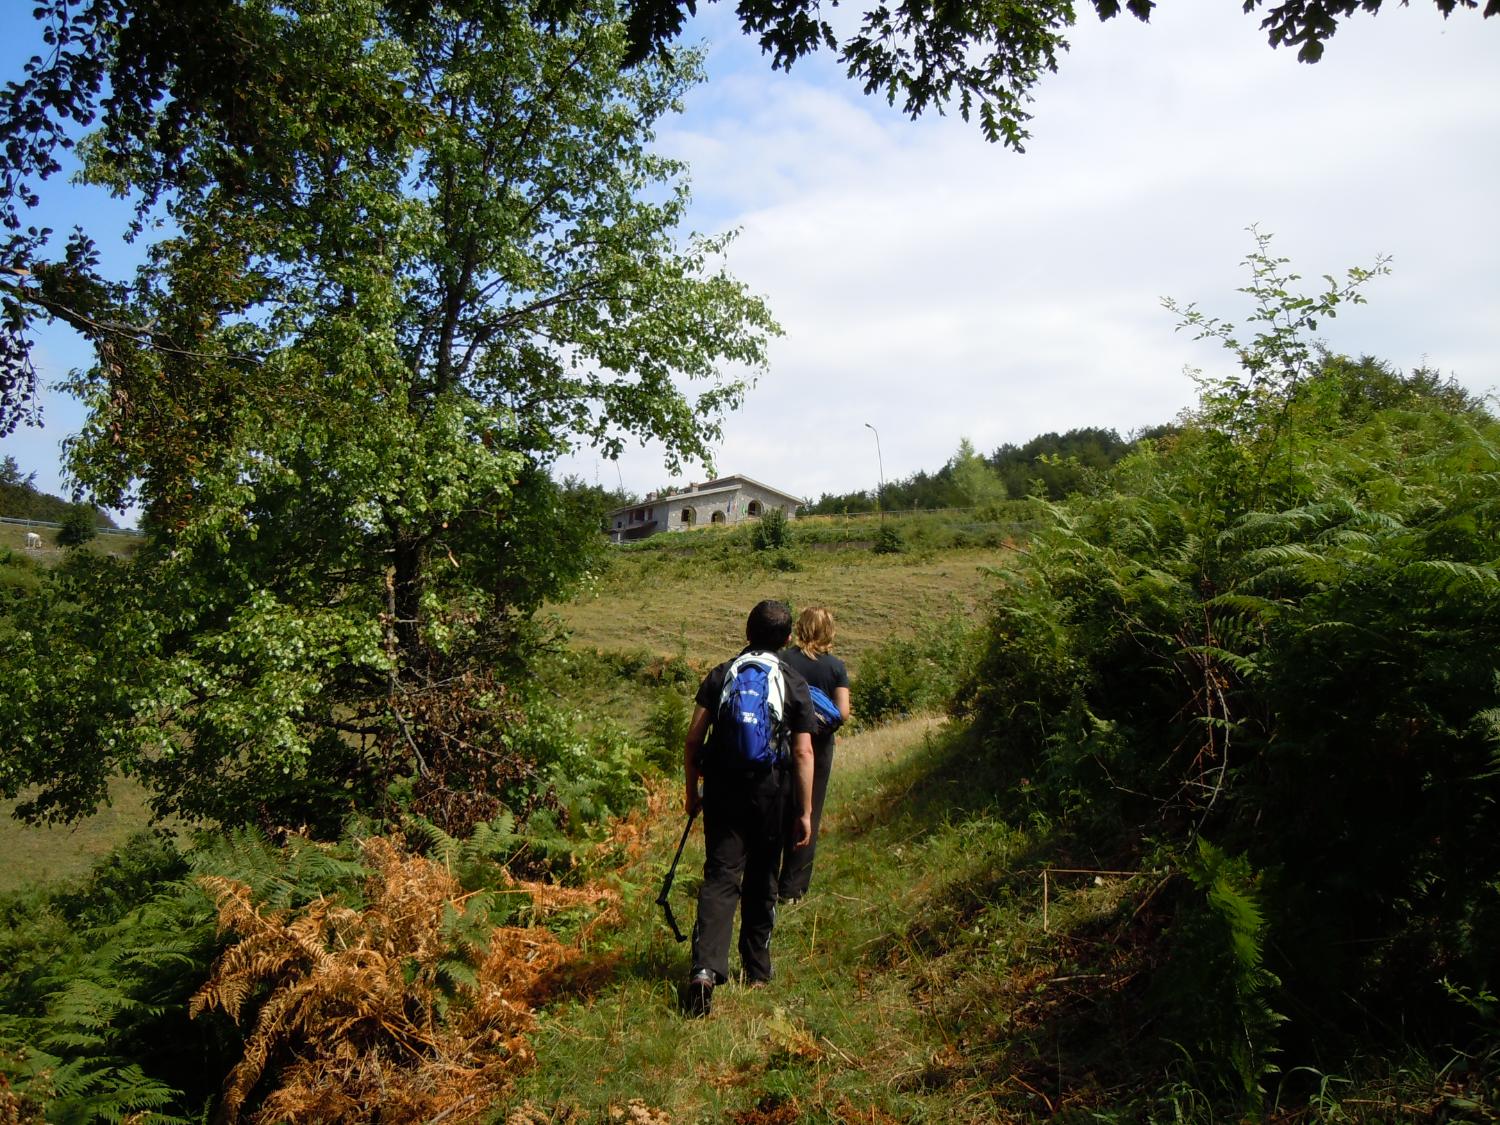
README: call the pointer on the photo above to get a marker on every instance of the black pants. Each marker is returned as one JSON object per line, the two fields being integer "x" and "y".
{"x": 742, "y": 831}
{"x": 797, "y": 863}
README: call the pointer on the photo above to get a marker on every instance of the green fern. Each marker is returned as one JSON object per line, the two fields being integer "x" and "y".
{"x": 1234, "y": 945}
{"x": 1449, "y": 579}
{"x": 282, "y": 877}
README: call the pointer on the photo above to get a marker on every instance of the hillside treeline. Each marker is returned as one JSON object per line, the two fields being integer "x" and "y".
{"x": 1056, "y": 464}
{"x": 21, "y": 499}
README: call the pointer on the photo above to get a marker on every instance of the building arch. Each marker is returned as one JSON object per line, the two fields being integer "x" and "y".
{"x": 717, "y": 517}
{"x": 753, "y": 509}
{"x": 689, "y": 517}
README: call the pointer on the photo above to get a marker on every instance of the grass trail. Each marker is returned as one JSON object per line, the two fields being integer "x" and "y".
{"x": 839, "y": 1035}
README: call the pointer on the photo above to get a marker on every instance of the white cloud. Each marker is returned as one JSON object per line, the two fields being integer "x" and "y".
{"x": 938, "y": 287}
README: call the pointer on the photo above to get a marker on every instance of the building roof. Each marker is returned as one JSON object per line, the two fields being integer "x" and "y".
{"x": 717, "y": 486}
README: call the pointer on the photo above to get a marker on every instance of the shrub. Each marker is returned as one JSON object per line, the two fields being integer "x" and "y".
{"x": 1307, "y": 681}
{"x": 1268, "y": 651}
{"x": 888, "y": 539}
{"x": 783, "y": 562}
{"x": 78, "y": 526}
{"x": 19, "y": 578}
{"x": 582, "y": 776}
{"x": 365, "y": 975}
{"x": 399, "y": 998}
{"x": 773, "y": 532}
{"x": 94, "y": 983}
{"x": 666, "y": 729}
{"x": 920, "y": 673}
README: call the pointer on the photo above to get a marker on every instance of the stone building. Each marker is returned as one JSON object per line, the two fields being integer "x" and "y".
{"x": 728, "y": 500}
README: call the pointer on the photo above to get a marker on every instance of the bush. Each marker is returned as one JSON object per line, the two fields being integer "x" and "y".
{"x": 888, "y": 540}
{"x": 585, "y": 777}
{"x": 773, "y": 532}
{"x": 78, "y": 526}
{"x": 666, "y": 729}
{"x": 920, "y": 673}
{"x": 94, "y": 985}
{"x": 120, "y": 998}
{"x": 19, "y": 578}
{"x": 1295, "y": 662}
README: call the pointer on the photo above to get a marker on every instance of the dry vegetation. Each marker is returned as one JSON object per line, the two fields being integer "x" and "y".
{"x": 382, "y": 1006}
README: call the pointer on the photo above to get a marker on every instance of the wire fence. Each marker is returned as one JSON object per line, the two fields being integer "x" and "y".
{"x": 17, "y": 522}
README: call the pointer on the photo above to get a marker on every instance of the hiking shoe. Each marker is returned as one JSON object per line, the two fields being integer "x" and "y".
{"x": 698, "y": 997}
{"x": 789, "y": 900}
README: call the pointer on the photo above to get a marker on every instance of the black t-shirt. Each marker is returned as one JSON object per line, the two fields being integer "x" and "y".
{"x": 797, "y": 710}
{"x": 825, "y": 672}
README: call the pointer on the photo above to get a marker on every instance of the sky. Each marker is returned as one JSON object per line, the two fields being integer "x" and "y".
{"x": 933, "y": 286}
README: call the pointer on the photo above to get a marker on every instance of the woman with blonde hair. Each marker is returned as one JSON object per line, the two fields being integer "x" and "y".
{"x": 811, "y": 656}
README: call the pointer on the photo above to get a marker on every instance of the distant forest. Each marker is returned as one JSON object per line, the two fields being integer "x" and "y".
{"x": 20, "y": 499}
{"x": 1057, "y": 463}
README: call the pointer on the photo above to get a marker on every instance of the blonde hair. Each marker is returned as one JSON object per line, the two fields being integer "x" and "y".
{"x": 815, "y": 630}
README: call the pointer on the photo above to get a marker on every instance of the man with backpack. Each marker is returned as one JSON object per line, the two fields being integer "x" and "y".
{"x": 749, "y": 747}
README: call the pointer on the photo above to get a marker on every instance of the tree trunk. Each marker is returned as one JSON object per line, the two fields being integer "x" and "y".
{"x": 407, "y": 564}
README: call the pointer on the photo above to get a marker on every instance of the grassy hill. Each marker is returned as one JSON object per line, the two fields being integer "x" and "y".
{"x": 839, "y": 1035}
{"x": 666, "y": 603}
{"x": 949, "y": 965}
{"x": 109, "y": 540}
{"x": 50, "y": 853}
{"x": 694, "y": 606}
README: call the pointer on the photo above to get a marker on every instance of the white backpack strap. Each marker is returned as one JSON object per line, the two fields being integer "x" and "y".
{"x": 776, "y": 688}
{"x": 729, "y": 675}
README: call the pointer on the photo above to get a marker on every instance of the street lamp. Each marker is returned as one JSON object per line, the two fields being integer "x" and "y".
{"x": 880, "y": 461}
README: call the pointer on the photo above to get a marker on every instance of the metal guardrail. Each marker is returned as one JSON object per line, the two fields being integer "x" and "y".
{"x": 56, "y": 526}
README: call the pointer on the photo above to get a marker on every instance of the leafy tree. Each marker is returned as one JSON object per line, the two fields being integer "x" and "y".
{"x": 20, "y": 499}
{"x": 973, "y": 480}
{"x": 591, "y": 503}
{"x": 11, "y": 475}
{"x": 78, "y": 526}
{"x": 839, "y": 503}
{"x": 1061, "y": 462}
{"x": 382, "y": 330}
{"x": 1359, "y": 389}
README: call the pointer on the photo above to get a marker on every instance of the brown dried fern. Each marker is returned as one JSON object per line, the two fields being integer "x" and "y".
{"x": 355, "y": 1015}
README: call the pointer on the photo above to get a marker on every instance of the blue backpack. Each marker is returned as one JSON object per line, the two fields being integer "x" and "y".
{"x": 748, "y": 729}
{"x": 825, "y": 712}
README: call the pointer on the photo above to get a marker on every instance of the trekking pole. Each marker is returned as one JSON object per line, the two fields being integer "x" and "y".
{"x": 661, "y": 899}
